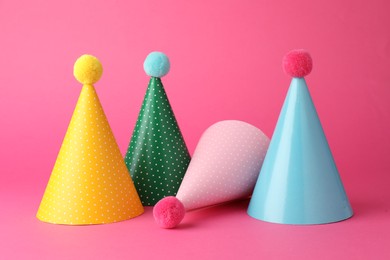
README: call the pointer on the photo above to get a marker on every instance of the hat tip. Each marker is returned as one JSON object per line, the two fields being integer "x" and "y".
{"x": 169, "y": 212}
{"x": 297, "y": 63}
{"x": 87, "y": 69}
{"x": 157, "y": 64}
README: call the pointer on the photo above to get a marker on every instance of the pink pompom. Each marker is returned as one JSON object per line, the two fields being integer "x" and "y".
{"x": 169, "y": 212}
{"x": 297, "y": 63}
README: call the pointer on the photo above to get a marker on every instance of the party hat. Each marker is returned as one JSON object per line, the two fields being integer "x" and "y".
{"x": 224, "y": 167}
{"x": 157, "y": 156}
{"x": 90, "y": 183}
{"x": 299, "y": 182}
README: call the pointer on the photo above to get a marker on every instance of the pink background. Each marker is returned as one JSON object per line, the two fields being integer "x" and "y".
{"x": 226, "y": 64}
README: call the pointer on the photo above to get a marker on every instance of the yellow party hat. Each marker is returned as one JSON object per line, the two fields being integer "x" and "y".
{"x": 90, "y": 183}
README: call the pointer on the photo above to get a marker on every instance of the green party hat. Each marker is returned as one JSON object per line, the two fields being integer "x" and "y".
{"x": 157, "y": 156}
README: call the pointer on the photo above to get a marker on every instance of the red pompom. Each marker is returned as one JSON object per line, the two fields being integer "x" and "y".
{"x": 169, "y": 212}
{"x": 297, "y": 63}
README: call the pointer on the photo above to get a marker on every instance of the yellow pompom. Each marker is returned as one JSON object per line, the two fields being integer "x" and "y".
{"x": 87, "y": 69}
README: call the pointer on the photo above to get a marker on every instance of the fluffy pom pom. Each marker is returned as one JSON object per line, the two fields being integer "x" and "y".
{"x": 157, "y": 64}
{"x": 87, "y": 69}
{"x": 297, "y": 63}
{"x": 169, "y": 212}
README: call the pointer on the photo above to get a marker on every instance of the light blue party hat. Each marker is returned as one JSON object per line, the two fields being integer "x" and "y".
{"x": 299, "y": 182}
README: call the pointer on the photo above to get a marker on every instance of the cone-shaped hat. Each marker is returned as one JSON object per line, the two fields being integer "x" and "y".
{"x": 157, "y": 156}
{"x": 224, "y": 167}
{"x": 299, "y": 182}
{"x": 90, "y": 183}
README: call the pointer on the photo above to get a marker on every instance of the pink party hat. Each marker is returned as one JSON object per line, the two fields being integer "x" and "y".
{"x": 224, "y": 167}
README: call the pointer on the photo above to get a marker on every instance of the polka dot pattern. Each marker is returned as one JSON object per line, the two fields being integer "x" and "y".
{"x": 225, "y": 165}
{"x": 157, "y": 156}
{"x": 90, "y": 183}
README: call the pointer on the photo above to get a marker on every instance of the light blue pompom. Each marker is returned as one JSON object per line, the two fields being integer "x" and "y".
{"x": 157, "y": 64}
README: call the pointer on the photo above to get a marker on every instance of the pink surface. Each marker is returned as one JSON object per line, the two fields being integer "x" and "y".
{"x": 226, "y": 64}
